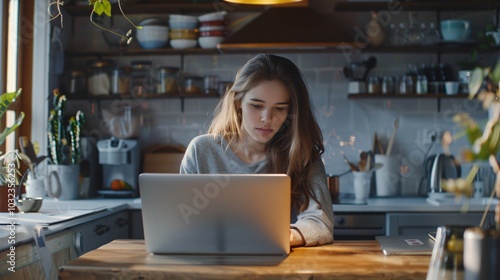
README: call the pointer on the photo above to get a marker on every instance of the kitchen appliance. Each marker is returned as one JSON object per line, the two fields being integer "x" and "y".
{"x": 120, "y": 159}
{"x": 357, "y": 72}
{"x": 437, "y": 167}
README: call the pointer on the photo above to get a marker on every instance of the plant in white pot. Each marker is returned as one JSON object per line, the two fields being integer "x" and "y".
{"x": 64, "y": 146}
{"x": 481, "y": 247}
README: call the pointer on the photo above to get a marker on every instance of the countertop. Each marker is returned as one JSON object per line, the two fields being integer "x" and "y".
{"x": 129, "y": 259}
{"x": 57, "y": 215}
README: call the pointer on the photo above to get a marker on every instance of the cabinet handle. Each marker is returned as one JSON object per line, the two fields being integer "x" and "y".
{"x": 101, "y": 229}
{"x": 78, "y": 241}
{"x": 120, "y": 222}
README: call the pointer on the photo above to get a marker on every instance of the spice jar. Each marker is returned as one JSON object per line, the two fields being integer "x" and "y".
{"x": 167, "y": 80}
{"x": 120, "y": 80}
{"x": 143, "y": 80}
{"x": 75, "y": 82}
{"x": 98, "y": 76}
{"x": 193, "y": 84}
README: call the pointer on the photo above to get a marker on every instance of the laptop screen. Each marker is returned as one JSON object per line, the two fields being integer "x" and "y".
{"x": 221, "y": 214}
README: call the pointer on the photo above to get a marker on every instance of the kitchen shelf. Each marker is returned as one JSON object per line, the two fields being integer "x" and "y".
{"x": 129, "y": 97}
{"x": 440, "y": 48}
{"x": 417, "y": 6}
{"x": 177, "y": 7}
{"x": 437, "y": 96}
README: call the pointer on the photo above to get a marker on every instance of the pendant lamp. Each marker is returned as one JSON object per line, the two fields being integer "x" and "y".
{"x": 263, "y": 2}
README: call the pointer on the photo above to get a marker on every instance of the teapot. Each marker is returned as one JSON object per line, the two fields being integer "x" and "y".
{"x": 440, "y": 166}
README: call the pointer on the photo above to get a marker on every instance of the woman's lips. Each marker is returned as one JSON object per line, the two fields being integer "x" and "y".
{"x": 265, "y": 130}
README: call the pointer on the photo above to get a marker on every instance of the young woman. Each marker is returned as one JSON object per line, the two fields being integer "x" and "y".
{"x": 264, "y": 124}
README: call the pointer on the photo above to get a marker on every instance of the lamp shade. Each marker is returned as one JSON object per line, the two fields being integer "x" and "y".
{"x": 263, "y": 2}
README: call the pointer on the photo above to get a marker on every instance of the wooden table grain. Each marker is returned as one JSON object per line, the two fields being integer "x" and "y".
{"x": 128, "y": 259}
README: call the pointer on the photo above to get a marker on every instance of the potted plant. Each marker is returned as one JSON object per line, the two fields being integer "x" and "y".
{"x": 9, "y": 159}
{"x": 64, "y": 146}
{"x": 481, "y": 247}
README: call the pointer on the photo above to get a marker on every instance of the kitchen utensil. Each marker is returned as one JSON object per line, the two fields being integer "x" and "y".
{"x": 393, "y": 136}
{"x": 351, "y": 165}
{"x": 357, "y": 72}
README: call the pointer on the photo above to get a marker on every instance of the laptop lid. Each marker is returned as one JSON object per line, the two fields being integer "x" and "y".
{"x": 419, "y": 244}
{"x": 216, "y": 214}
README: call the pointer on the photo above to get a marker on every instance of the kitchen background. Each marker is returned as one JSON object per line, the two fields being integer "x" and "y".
{"x": 348, "y": 124}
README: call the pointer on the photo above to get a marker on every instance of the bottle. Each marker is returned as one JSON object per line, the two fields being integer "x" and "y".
{"x": 421, "y": 84}
{"x": 143, "y": 81}
{"x": 375, "y": 31}
{"x": 168, "y": 78}
{"x": 373, "y": 85}
{"x": 120, "y": 80}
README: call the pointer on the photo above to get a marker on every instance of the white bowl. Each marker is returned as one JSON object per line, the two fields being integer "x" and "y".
{"x": 212, "y": 28}
{"x": 152, "y": 36}
{"x": 183, "y": 43}
{"x": 182, "y": 24}
{"x": 210, "y": 42}
{"x": 213, "y": 16}
{"x": 182, "y": 17}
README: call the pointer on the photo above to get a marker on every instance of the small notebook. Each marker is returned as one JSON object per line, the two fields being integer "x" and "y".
{"x": 420, "y": 244}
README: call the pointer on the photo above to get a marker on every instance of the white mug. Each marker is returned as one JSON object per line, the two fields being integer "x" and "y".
{"x": 66, "y": 181}
{"x": 35, "y": 187}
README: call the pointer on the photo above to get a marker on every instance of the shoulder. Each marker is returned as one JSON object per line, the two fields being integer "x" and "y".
{"x": 204, "y": 140}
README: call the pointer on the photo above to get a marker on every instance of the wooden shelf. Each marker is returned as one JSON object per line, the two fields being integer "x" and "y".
{"x": 418, "y": 5}
{"x": 406, "y": 96}
{"x": 177, "y": 7}
{"x": 136, "y": 52}
{"x": 141, "y": 97}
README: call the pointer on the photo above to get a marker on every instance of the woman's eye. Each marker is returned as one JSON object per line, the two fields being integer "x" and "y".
{"x": 280, "y": 109}
{"x": 256, "y": 106}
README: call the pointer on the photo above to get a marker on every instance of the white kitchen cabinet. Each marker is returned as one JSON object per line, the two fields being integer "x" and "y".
{"x": 65, "y": 246}
{"x": 423, "y": 223}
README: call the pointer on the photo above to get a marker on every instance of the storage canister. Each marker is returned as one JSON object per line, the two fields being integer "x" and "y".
{"x": 75, "y": 82}
{"x": 193, "y": 84}
{"x": 120, "y": 80}
{"x": 98, "y": 76}
{"x": 143, "y": 80}
{"x": 167, "y": 80}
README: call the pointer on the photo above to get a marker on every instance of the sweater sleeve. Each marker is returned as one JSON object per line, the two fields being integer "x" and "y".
{"x": 316, "y": 222}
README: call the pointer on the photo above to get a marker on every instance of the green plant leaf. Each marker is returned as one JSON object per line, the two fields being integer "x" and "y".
{"x": 6, "y": 99}
{"x": 98, "y": 8}
{"x": 476, "y": 80}
{"x": 495, "y": 75}
{"x": 9, "y": 130}
{"x": 107, "y": 7}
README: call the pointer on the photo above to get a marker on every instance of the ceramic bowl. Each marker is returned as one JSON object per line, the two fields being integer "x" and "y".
{"x": 183, "y": 43}
{"x": 455, "y": 30}
{"x": 182, "y": 24}
{"x": 152, "y": 36}
{"x": 183, "y": 34}
{"x": 210, "y": 42}
{"x": 212, "y": 16}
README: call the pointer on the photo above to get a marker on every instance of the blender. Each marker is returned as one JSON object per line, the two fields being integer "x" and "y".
{"x": 357, "y": 72}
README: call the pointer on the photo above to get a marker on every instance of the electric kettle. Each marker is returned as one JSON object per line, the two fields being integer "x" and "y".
{"x": 438, "y": 167}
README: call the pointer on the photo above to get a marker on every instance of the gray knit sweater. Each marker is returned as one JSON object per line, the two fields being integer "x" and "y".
{"x": 204, "y": 155}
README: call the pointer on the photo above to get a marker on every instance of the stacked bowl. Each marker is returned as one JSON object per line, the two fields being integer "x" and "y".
{"x": 212, "y": 29}
{"x": 183, "y": 32}
{"x": 153, "y": 35}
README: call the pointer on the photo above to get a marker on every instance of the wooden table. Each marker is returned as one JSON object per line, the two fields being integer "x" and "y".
{"x": 128, "y": 259}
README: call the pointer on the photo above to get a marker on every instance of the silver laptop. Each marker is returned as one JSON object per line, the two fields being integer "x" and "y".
{"x": 418, "y": 244}
{"x": 216, "y": 214}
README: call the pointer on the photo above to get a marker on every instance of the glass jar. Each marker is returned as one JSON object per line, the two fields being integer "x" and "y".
{"x": 373, "y": 85}
{"x": 98, "y": 76}
{"x": 120, "y": 80}
{"x": 193, "y": 84}
{"x": 210, "y": 84}
{"x": 75, "y": 82}
{"x": 143, "y": 80}
{"x": 167, "y": 80}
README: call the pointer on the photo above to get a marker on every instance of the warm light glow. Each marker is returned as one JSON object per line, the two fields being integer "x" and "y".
{"x": 263, "y": 2}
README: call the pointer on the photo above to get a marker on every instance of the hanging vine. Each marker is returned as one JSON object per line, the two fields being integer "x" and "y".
{"x": 99, "y": 7}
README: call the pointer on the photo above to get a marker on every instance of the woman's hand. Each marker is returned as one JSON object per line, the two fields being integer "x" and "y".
{"x": 296, "y": 238}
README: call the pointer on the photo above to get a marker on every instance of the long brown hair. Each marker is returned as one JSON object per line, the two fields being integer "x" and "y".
{"x": 299, "y": 141}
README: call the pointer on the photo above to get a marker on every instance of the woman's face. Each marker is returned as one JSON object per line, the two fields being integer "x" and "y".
{"x": 264, "y": 109}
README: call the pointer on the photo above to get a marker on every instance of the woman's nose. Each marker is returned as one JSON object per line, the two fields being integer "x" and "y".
{"x": 266, "y": 116}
